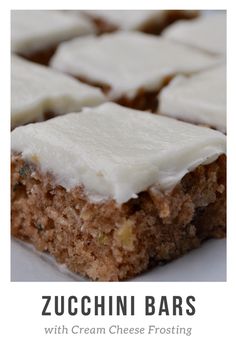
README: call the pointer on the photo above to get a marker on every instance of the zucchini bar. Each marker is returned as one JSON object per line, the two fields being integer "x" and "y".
{"x": 112, "y": 191}
{"x": 39, "y": 93}
{"x": 35, "y": 34}
{"x": 130, "y": 67}
{"x": 198, "y": 99}
{"x": 207, "y": 33}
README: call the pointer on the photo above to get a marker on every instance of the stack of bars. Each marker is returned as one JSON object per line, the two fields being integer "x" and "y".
{"x": 118, "y": 136}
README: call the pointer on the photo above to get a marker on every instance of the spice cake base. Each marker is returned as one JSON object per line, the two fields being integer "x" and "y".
{"x": 40, "y": 56}
{"x": 110, "y": 242}
{"x": 143, "y": 100}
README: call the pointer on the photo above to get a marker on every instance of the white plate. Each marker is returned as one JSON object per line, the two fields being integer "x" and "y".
{"x": 208, "y": 263}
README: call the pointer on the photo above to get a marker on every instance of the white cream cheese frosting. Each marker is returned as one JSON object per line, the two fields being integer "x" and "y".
{"x": 36, "y": 90}
{"x": 199, "y": 99}
{"x": 33, "y": 30}
{"x": 206, "y": 32}
{"x": 117, "y": 152}
{"x": 128, "y": 61}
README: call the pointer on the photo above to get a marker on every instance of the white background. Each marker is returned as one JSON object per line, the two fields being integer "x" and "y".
{"x": 21, "y": 321}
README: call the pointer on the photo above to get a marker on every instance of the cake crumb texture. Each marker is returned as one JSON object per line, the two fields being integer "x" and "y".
{"x": 110, "y": 242}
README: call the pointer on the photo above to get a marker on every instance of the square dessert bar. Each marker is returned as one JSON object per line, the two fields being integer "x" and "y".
{"x": 39, "y": 93}
{"x": 130, "y": 67}
{"x": 111, "y": 191}
{"x": 35, "y": 34}
{"x": 207, "y": 33}
{"x": 149, "y": 21}
{"x": 198, "y": 99}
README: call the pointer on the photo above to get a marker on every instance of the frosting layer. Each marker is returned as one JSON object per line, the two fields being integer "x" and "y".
{"x": 33, "y": 30}
{"x": 36, "y": 90}
{"x": 117, "y": 152}
{"x": 128, "y": 61}
{"x": 207, "y": 33}
{"x": 198, "y": 99}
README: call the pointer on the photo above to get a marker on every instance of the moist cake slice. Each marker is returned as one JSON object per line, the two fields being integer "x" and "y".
{"x": 207, "y": 33}
{"x": 111, "y": 191}
{"x": 39, "y": 93}
{"x": 198, "y": 99}
{"x": 149, "y": 21}
{"x": 130, "y": 67}
{"x": 35, "y": 34}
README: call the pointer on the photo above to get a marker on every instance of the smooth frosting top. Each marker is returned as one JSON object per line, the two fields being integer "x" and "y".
{"x": 33, "y": 30}
{"x": 117, "y": 152}
{"x": 128, "y": 61}
{"x": 128, "y": 19}
{"x": 36, "y": 90}
{"x": 200, "y": 98}
{"x": 207, "y": 33}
